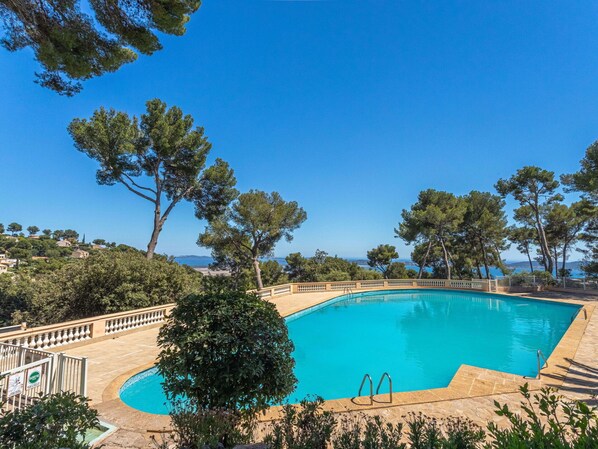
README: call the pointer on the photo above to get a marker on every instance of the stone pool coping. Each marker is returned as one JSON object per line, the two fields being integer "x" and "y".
{"x": 468, "y": 381}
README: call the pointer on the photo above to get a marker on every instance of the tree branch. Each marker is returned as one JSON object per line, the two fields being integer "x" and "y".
{"x": 137, "y": 185}
{"x": 173, "y": 203}
{"x": 136, "y": 192}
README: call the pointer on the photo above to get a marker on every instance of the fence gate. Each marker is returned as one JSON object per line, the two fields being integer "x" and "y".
{"x": 29, "y": 374}
{"x": 19, "y": 387}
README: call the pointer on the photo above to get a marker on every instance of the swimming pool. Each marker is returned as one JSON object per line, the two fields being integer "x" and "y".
{"x": 420, "y": 337}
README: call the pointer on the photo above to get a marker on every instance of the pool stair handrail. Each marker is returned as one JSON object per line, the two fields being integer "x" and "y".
{"x": 540, "y": 355}
{"x": 585, "y": 314}
{"x": 369, "y": 378}
{"x": 348, "y": 291}
{"x": 389, "y": 384}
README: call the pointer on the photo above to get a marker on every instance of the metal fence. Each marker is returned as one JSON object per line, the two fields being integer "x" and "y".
{"x": 29, "y": 374}
{"x": 583, "y": 283}
{"x": 525, "y": 280}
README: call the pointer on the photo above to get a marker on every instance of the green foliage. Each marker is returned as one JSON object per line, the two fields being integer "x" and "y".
{"x": 451, "y": 433}
{"x": 250, "y": 229}
{"x": 272, "y": 273}
{"x": 55, "y": 421}
{"x": 208, "y": 429}
{"x": 106, "y": 282}
{"x": 308, "y": 426}
{"x": 367, "y": 432}
{"x": 483, "y": 234}
{"x": 163, "y": 146}
{"x": 14, "y": 228}
{"x": 324, "y": 268}
{"x": 20, "y": 250}
{"x": 525, "y": 279}
{"x": 433, "y": 219}
{"x": 548, "y": 421}
{"x": 32, "y": 230}
{"x": 381, "y": 257}
{"x": 586, "y": 182}
{"x": 398, "y": 270}
{"x": 524, "y": 238}
{"x": 72, "y": 45}
{"x": 226, "y": 350}
{"x": 222, "y": 284}
{"x": 535, "y": 189}
{"x": 305, "y": 427}
{"x": 586, "y": 179}
{"x": 564, "y": 225}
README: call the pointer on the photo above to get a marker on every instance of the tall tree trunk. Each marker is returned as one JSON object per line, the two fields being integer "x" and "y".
{"x": 258, "y": 273}
{"x": 485, "y": 256}
{"x": 529, "y": 258}
{"x": 446, "y": 260}
{"x": 423, "y": 265}
{"x": 158, "y": 223}
{"x": 544, "y": 248}
{"x": 564, "y": 267}
{"x": 556, "y": 263}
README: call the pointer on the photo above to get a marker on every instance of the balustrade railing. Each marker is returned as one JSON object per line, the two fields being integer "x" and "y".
{"x": 80, "y": 331}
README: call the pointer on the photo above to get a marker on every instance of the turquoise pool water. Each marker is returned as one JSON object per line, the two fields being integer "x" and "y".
{"x": 420, "y": 337}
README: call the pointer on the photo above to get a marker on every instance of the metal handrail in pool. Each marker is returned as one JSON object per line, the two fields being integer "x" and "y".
{"x": 585, "y": 314}
{"x": 367, "y": 376}
{"x": 389, "y": 383}
{"x": 539, "y": 355}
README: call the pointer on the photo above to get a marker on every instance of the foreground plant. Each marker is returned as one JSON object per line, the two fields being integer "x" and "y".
{"x": 451, "y": 433}
{"x": 228, "y": 350}
{"x": 56, "y": 421}
{"x": 305, "y": 427}
{"x": 205, "y": 429}
{"x": 365, "y": 432}
{"x": 548, "y": 421}
{"x": 309, "y": 426}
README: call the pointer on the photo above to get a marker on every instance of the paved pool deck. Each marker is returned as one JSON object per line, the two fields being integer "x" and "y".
{"x": 572, "y": 368}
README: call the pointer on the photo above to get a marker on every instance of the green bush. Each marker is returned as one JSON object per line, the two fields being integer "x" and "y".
{"x": 226, "y": 350}
{"x": 451, "y": 433}
{"x": 56, "y": 421}
{"x": 324, "y": 268}
{"x": 207, "y": 429}
{"x": 303, "y": 427}
{"x": 539, "y": 277}
{"x": 365, "y": 432}
{"x": 548, "y": 421}
{"x": 106, "y": 282}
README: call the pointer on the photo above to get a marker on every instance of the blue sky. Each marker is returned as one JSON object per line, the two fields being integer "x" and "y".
{"x": 348, "y": 107}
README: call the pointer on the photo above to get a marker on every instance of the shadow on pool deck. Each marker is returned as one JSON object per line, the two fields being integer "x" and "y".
{"x": 581, "y": 382}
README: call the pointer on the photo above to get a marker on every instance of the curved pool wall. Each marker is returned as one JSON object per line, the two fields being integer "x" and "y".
{"x": 420, "y": 337}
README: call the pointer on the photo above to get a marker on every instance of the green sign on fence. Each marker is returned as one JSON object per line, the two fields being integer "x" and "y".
{"x": 34, "y": 377}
